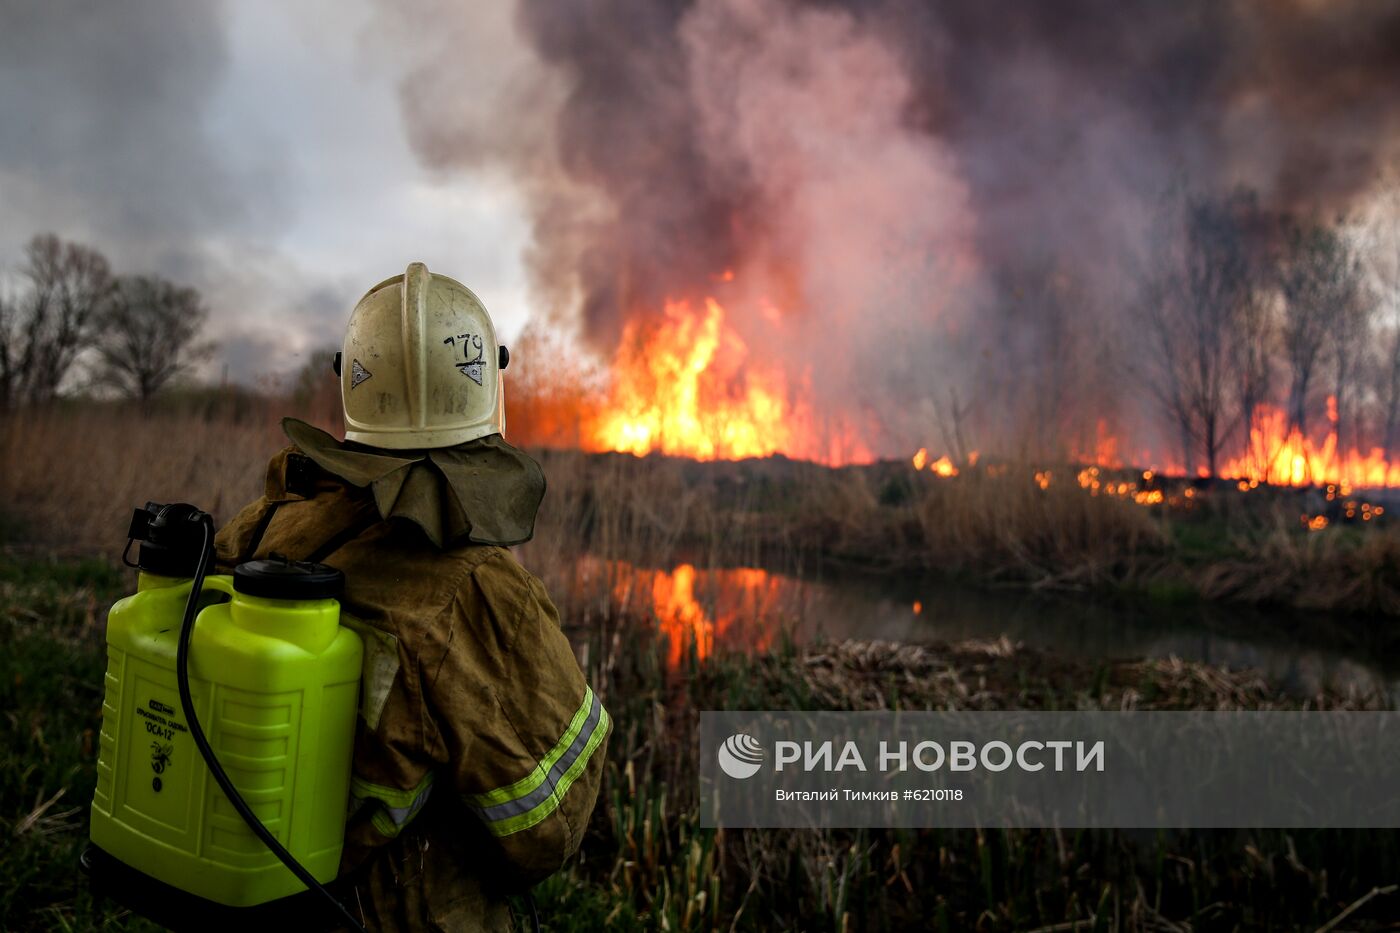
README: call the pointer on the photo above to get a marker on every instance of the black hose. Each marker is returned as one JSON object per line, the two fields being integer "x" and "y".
{"x": 182, "y": 677}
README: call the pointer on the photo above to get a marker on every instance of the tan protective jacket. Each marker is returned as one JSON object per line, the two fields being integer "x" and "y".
{"x": 479, "y": 747}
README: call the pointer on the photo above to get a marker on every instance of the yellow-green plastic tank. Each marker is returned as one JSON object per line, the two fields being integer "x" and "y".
{"x": 275, "y": 684}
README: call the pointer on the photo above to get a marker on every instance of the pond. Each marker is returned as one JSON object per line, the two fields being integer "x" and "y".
{"x": 749, "y": 607}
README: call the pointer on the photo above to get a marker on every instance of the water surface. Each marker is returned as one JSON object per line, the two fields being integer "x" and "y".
{"x": 747, "y": 607}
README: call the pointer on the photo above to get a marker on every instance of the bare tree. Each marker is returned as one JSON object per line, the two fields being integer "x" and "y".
{"x": 1256, "y": 323}
{"x": 1390, "y": 388}
{"x": 1200, "y": 299}
{"x": 1159, "y": 298}
{"x": 46, "y": 326}
{"x": 1380, "y": 233}
{"x": 1320, "y": 277}
{"x": 950, "y": 425}
{"x": 1347, "y": 343}
{"x": 149, "y": 332}
{"x": 1045, "y": 364}
{"x": 9, "y": 349}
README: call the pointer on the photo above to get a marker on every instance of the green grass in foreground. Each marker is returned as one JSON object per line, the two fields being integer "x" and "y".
{"x": 647, "y": 865}
{"x": 50, "y": 693}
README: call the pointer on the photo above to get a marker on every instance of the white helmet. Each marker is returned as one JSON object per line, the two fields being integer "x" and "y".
{"x": 421, "y": 365}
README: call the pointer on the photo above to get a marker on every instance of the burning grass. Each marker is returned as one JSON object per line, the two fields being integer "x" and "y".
{"x": 73, "y": 474}
{"x": 998, "y": 524}
{"x": 646, "y": 864}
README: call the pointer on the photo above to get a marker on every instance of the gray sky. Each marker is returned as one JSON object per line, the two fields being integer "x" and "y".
{"x": 255, "y": 150}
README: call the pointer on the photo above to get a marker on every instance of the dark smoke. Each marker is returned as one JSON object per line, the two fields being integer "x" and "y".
{"x": 945, "y": 200}
{"x": 105, "y": 139}
{"x": 101, "y": 120}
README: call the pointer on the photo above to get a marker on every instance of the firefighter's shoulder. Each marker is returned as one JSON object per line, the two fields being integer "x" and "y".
{"x": 497, "y": 601}
{"x": 394, "y": 573}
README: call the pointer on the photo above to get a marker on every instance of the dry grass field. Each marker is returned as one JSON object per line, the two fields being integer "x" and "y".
{"x": 72, "y": 474}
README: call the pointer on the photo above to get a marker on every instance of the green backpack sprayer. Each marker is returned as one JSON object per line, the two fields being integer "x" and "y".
{"x": 227, "y": 728}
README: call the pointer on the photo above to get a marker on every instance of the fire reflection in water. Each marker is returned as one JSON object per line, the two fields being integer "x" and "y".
{"x": 694, "y": 609}
{"x": 746, "y": 609}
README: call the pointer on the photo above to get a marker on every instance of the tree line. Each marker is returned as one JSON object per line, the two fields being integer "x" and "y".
{"x": 133, "y": 333}
{"x": 1243, "y": 306}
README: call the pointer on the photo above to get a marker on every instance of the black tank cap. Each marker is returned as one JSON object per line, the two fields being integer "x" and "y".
{"x": 280, "y": 578}
{"x": 171, "y": 536}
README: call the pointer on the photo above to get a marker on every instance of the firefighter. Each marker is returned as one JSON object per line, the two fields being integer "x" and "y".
{"x": 480, "y": 745}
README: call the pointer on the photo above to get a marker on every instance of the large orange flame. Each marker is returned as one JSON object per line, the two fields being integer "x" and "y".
{"x": 1281, "y": 455}
{"x": 684, "y": 384}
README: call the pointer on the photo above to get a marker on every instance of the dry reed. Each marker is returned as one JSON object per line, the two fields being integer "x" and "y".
{"x": 72, "y": 477}
{"x": 72, "y": 474}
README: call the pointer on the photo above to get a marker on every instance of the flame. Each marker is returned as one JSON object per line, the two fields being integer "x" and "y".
{"x": 1279, "y": 454}
{"x": 1105, "y": 448}
{"x": 684, "y": 384}
{"x": 943, "y": 466}
{"x": 1276, "y": 454}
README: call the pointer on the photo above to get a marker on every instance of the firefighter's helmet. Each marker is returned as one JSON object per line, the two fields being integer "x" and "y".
{"x": 421, "y": 366}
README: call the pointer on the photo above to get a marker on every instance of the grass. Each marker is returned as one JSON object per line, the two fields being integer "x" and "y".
{"x": 993, "y": 524}
{"x": 645, "y": 863}
{"x": 50, "y": 693}
{"x": 74, "y": 475}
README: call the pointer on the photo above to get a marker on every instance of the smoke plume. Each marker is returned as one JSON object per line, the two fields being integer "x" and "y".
{"x": 926, "y": 211}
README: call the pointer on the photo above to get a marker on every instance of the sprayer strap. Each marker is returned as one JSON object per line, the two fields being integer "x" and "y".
{"x": 258, "y": 531}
